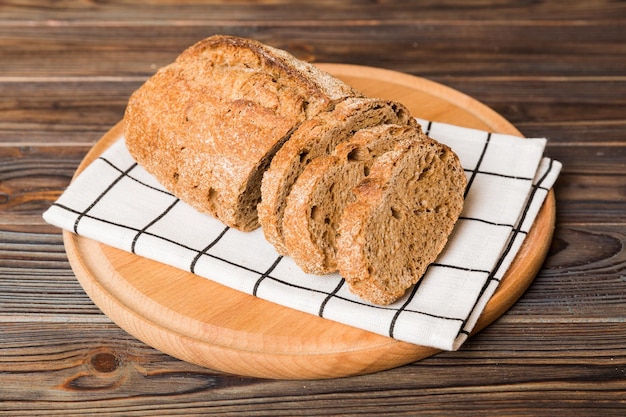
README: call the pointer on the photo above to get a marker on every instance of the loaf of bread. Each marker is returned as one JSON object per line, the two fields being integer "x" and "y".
{"x": 208, "y": 125}
{"x": 314, "y": 207}
{"x": 402, "y": 216}
{"x": 316, "y": 137}
{"x": 252, "y": 136}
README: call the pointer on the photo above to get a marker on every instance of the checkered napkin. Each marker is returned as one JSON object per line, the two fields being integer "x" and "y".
{"x": 116, "y": 202}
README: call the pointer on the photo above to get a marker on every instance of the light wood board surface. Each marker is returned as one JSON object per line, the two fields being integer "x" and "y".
{"x": 205, "y": 323}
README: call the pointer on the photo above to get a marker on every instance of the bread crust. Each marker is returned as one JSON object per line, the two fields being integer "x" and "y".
{"x": 401, "y": 219}
{"x": 315, "y": 138}
{"x": 208, "y": 124}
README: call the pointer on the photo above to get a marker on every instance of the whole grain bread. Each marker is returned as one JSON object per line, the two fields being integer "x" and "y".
{"x": 316, "y": 137}
{"x": 317, "y": 200}
{"x": 207, "y": 125}
{"x": 401, "y": 219}
{"x": 233, "y": 125}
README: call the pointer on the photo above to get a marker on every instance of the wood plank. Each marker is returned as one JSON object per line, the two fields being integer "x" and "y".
{"x": 579, "y": 194}
{"x": 574, "y": 133}
{"x": 587, "y": 159}
{"x": 63, "y": 104}
{"x": 549, "y": 102}
{"x": 584, "y": 270}
{"x": 32, "y": 177}
{"x": 77, "y": 369}
{"x": 279, "y": 10}
{"x": 419, "y": 47}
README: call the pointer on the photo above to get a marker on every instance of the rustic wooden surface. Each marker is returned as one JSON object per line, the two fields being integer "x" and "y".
{"x": 554, "y": 69}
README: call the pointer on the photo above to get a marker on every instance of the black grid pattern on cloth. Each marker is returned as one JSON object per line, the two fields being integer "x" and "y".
{"x": 473, "y": 172}
{"x": 122, "y": 175}
{"x": 517, "y": 233}
{"x": 156, "y": 216}
{"x": 268, "y": 274}
{"x": 151, "y": 218}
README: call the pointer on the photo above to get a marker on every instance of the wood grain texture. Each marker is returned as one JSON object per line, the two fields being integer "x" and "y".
{"x": 552, "y": 68}
{"x": 311, "y": 12}
{"x": 489, "y": 49}
{"x": 78, "y": 376}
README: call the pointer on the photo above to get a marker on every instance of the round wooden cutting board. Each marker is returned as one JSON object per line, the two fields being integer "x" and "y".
{"x": 199, "y": 321}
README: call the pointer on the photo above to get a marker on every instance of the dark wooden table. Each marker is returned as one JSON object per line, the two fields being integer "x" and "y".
{"x": 554, "y": 69}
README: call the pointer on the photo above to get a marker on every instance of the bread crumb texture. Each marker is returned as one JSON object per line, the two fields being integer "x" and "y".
{"x": 315, "y": 138}
{"x": 401, "y": 219}
{"x": 318, "y": 198}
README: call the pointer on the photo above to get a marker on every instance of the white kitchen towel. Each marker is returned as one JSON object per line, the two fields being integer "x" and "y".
{"x": 116, "y": 202}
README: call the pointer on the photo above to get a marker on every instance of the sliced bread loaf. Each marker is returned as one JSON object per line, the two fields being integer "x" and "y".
{"x": 317, "y": 200}
{"x": 314, "y": 138}
{"x": 207, "y": 125}
{"x": 401, "y": 219}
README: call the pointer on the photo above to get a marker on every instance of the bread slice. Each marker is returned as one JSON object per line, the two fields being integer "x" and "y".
{"x": 207, "y": 125}
{"x": 401, "y": 219}
{"x": 318, "y": 198}
{"x": 314, "y": 138}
